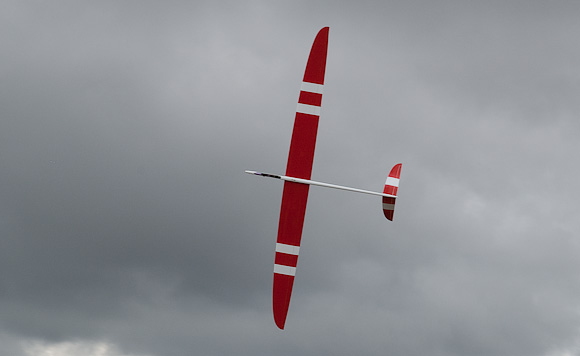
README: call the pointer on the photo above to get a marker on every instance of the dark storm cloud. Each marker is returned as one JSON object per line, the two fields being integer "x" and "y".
{"x": 92, "y": 195}
{"x": 125, "y": 215}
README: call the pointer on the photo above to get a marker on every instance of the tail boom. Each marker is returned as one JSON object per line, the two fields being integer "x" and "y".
{"x": 320, "y": 184}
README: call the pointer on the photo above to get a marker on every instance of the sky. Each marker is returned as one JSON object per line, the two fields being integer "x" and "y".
{"x": 128, "y": 226}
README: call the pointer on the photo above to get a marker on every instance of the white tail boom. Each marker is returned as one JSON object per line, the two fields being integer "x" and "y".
{"x": 320, "y": 184}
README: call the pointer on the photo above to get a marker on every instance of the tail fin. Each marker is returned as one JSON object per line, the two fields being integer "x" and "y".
{"x": 391, "y": 186}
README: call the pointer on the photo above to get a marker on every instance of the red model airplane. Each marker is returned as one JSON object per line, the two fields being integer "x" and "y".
{"x": 297, "y": 178}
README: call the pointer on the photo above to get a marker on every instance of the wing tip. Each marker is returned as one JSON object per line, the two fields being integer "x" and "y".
{"x": 280, "y": 318}
{"x": 279, "y": 324}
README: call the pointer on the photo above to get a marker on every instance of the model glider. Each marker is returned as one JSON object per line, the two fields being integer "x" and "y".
{"x": 297, "y": 179}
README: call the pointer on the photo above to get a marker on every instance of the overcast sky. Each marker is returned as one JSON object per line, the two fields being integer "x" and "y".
{"x": 128, "y": 226}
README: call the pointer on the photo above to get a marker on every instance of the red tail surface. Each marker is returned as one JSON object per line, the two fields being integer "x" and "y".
{"x": 300, "y": 159}
{"x": 391, "y": 187}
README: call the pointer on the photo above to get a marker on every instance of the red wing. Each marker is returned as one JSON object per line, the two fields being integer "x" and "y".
{"x": 300, "y": 159}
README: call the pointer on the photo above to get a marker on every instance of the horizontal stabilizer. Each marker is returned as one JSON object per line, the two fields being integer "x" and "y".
{"x": 391, "y": 187}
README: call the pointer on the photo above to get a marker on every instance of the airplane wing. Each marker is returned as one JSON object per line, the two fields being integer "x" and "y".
{"x": 300, "y": 159}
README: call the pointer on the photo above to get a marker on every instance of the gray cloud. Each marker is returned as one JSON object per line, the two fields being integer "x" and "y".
{"x": 125, "y": 215}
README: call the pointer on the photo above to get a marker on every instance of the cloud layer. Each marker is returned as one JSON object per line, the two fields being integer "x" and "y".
{"x": 125, "y": 215}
